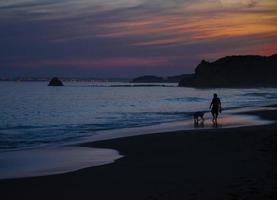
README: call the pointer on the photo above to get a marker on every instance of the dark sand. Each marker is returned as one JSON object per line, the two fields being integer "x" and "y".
{"x": 234, "y": 163}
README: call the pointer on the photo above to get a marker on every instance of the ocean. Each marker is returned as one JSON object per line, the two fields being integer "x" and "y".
{"x": 33, "y": 115}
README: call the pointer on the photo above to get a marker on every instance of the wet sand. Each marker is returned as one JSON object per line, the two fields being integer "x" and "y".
{"x": 222, "y": 163}
{"x": 55, "y": 160}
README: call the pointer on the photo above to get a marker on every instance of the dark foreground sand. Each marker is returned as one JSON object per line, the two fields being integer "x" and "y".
{"x": 235, "y": 163}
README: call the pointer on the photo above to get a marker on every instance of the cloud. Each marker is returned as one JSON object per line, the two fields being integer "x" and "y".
{"x": 239, "y": 3}
{"x": 197, "y": 25}
{"x": 173, "y": 35}
{"x": 95, "y": 62}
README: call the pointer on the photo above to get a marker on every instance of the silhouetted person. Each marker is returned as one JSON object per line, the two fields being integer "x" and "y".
{"x": 215, "y": 108}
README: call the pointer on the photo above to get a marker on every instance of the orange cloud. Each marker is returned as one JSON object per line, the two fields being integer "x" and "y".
{"x": 256, "y": 49}
{"x": 194, "y": 23}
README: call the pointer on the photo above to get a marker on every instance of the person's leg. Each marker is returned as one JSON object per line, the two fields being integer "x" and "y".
{"x": 216, "y": 115}
{"x": 213, "y": 118}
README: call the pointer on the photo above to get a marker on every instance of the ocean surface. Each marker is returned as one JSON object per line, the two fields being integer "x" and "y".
{"x": 33, "y": 115}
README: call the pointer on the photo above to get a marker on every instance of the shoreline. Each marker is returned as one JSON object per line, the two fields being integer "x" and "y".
{"x": 223, "y": 163}
{"x": 235, "y": 118}
{"x": 41, "y": 162}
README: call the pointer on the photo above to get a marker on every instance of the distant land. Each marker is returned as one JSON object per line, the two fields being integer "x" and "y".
{"x": 158, "y": 79}
{"x": 230, "y": 71}
{"x": 235, "y": 71}
{"x": 64, "y": 79}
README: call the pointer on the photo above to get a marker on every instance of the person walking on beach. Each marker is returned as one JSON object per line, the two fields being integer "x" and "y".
{"x": 215, "y": 107}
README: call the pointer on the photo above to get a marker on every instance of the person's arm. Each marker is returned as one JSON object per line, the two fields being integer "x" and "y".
{"x": 211, "y": 104}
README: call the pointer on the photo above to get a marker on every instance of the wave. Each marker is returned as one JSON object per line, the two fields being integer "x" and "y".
{"x": 125, "y": 85}
{"x": 186, "y": 99}
{"x": 266, "y": 95}
{"x": 22, "y": 137}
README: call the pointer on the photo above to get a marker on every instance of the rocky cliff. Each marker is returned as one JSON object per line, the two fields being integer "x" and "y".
{"x": 235, "y": 71}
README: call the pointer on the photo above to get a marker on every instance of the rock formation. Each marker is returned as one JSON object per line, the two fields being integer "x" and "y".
{"x": 235, "y": 71}
{"x": 55, "y": 82}
{"x": 157, "y": 79}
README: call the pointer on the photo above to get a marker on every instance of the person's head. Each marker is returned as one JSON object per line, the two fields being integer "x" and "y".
{"x": 215, "y": 95}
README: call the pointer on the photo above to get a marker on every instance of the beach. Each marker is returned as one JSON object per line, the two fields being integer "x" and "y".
{"x": 119, "y": 99}
{"x": 219, "y": 163}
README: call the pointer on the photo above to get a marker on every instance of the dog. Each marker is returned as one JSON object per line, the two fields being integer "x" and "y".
{"x": 197, "y": 116}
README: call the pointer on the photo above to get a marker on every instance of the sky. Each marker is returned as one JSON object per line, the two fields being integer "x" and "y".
{"x": 129, "y": 38}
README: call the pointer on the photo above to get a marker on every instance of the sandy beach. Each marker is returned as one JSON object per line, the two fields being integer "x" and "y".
{"x": 138, "y": 99}
{"x": 222, "y": 163}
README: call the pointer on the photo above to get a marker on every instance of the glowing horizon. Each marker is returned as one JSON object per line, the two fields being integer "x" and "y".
{"x": 133, "y": 36}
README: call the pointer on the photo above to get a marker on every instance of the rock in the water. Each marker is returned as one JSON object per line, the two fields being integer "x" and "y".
{"x": 55, "y": 82}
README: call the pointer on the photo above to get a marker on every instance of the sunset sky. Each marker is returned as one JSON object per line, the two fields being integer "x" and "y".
{"x": 128, "y": 38}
